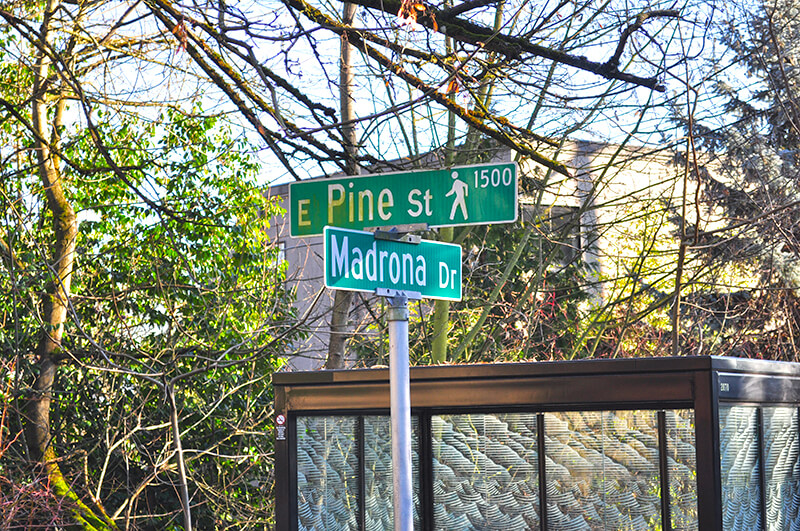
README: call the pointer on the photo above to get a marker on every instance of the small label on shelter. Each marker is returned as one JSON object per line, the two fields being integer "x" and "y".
{"x": 280, "y": 427}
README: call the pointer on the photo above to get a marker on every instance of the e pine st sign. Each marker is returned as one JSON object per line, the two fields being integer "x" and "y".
{"x": 465, "y": 195}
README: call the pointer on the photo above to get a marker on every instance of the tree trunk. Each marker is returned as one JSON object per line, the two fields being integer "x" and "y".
{"x": 441, "y": 316}
{"x": 441, "y": 308}
{"x": 342, "y": 300}
{"x": 55, "y": 301}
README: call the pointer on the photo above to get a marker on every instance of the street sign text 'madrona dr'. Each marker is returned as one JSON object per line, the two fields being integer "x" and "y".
{"x": 357, "y": 261}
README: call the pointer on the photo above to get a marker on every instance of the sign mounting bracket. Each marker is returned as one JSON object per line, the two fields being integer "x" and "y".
{"x": 397, "y": 237}
{"x": 391, "y": 293}
{"x": 408, "y": 227}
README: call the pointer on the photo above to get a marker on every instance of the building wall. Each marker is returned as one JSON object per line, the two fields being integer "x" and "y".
{"x": 612, "y": 190}
{"x": 305, "y": 276}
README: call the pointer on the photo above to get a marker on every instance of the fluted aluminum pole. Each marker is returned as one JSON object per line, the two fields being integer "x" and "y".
{"x": 399, "y": 384}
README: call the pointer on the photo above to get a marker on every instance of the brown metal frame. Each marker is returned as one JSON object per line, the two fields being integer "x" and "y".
{"x": 699, "y": 383}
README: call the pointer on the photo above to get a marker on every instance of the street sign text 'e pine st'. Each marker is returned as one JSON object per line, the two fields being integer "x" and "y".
{"x": 465, "y": 195}
{"x": 357, "y": 261}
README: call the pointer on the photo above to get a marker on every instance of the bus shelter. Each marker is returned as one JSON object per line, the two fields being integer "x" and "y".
{"x": 690, "y": 443}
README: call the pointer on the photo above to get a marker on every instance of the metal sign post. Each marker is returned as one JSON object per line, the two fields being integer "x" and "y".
{"x": 365, "y": 261}
{"x": 402, "y": 267}
{"x": 400, "y": 385}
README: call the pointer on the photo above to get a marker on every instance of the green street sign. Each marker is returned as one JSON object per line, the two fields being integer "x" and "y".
{"x": 358, "y": 261}
{"x": 466, "y": 195}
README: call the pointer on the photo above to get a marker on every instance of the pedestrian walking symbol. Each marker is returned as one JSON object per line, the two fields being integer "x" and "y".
{"x": 461, "y": 190}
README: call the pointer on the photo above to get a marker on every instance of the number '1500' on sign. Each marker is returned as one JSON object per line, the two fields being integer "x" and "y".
{"x": 495, "y": 177}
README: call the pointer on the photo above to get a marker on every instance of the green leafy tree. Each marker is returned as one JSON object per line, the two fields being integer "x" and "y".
{"x": 143, "y": 308}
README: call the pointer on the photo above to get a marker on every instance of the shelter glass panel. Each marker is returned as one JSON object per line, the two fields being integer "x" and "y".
{"x": 485, "y": 472}
{"x": 739, "y": 460}
{"x": 327, "y": 473}
{"x": 602, "y": 470}
{"x": 781, "y": 468}
{"x": 682, "y": 469}
{"x": 378, "y": 486}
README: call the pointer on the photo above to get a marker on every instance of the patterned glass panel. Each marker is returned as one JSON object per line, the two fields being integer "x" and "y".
{"x": 682, "y": 469}
{"x": 739, "y": 463}
{"x": 781, "y": 468}
{"x": 602, "y": 470}
{"x": 327, "y": 474}
{"x": 485, "y": 469}
{"x": 378, "y": 487}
